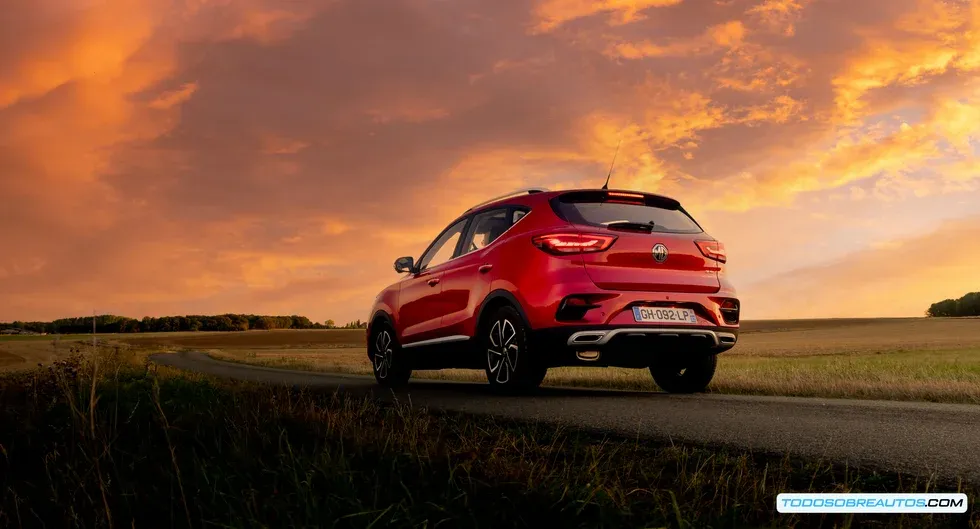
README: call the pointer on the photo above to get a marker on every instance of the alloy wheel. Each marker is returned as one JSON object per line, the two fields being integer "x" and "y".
{"x": 503, "y": 350}
{"x": 382, "y": 354}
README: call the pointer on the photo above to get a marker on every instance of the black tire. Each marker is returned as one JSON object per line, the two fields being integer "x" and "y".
{"x": 392, "y": 367}
{"x": 693, "y": 376}
{"x": 509, "y": 364}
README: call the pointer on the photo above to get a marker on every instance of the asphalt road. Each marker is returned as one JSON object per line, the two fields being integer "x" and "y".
{"x": 909, "y": 437}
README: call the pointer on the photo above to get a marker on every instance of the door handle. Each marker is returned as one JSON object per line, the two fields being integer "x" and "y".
{"x": 434, "y": 281}
{"x": 485, "y": 268}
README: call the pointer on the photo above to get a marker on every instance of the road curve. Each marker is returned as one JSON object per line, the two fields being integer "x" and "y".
{"x": 909, "y": 437}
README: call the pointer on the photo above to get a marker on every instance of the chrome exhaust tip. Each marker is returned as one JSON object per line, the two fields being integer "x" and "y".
{"x": 725, "y": 338}
{"x": 587, "y": 337}
{"x": 587, "y": 356}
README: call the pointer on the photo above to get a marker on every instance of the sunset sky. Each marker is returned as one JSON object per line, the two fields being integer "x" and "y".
{"x": 163, "y": 157}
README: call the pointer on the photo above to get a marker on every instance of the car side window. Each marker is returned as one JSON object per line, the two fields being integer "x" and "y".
{"x": 486, "y": 228}
{"x": 444, "y": 247}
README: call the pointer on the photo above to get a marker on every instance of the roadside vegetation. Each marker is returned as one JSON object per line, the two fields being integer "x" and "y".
{"x": 108, "y": 440}
{"x": 936, "y": 360}
{"x": 923, "y": 359}
{"x": 937, "y": 376}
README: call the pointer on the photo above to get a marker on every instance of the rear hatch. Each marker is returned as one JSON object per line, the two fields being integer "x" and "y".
{"x": 656, "y": 245}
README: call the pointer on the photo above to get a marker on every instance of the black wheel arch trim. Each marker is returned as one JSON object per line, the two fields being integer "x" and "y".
{"x": 381, "y": 313}
{"x": 502, "y": 294}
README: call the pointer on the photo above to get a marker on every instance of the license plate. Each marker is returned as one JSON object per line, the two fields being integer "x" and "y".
{"x": 664, "y": 315}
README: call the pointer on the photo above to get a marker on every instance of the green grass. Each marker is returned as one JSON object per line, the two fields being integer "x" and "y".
{"x": 151, "y": 447}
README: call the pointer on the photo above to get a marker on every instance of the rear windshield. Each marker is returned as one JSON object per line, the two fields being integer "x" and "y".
{"x": 594, "y": 209}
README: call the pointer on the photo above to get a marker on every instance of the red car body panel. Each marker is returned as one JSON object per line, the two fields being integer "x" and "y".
{"x": 464, "y": 287}
{"x": 445, "y": 301}
{"x": 626, "y": 266}
{"x": 417, "y": 308}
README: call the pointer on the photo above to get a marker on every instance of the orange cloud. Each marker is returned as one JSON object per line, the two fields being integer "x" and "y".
{"x": 779, "y": 110}
{"x": 937, "y": 37}
{"x": 53, "y": 51}
{"x": 779, "y": 15}
{"x": 251, "y": 156}
{"x": 741, "y": 64}
{"x": 175, "y": 97}
{"x": 724, "y": 36}
{"x": 272, "y": 144}
{"x": 554, "y": 13}
{"x": 893, "y": 150}
{"x": 268, "y": 26}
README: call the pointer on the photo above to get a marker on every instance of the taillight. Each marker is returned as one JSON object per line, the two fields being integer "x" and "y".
{"x": 568, "y": 243}
{"x": 712, "y": 250}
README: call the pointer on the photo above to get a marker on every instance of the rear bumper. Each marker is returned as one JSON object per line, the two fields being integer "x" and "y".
{"x": 630, "y": 345}
{"x": 719, "y": 339}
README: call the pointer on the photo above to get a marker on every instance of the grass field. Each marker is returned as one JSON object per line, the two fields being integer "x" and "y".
{"x": 902, "y": 359}
{"x": 106, "y": 440}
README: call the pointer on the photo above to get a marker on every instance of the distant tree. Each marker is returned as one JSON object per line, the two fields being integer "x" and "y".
{"x": 238, "y": 322}
{"x": 124, "y": 326}
{"x": 329, "y": 324}
{"x": 109, "y": 323}
{"x": 968, "y": 305}
{"x": 264, "y": 323}
{"x": 300, "y": 322}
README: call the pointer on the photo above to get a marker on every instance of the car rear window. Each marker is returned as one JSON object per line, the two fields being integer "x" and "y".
{"x": 596, "y": 209}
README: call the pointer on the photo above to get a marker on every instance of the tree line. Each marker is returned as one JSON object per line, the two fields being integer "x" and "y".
{"x": 968, "y": 305}
{"x": 108, "y": 323}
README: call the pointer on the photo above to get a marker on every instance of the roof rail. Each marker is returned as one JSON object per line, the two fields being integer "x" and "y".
{"x": 515, "y": 193}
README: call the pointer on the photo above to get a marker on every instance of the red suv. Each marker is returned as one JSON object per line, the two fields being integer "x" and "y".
{"x": 538, "y": 279}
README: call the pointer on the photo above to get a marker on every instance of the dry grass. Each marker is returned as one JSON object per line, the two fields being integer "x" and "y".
{"x": 901, "y": 359}
{"x": 849, "y": 337}
{"x": 19, "y": 352}
{"x": 936, "y": 376}
{"x": 340, "y": 338}
{"x": 107, "y": 441}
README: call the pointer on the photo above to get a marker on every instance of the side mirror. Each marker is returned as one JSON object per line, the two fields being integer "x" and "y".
{"x": 404, "y": 264}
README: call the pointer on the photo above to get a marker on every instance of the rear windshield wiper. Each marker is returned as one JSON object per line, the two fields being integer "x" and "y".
{"x": 627, "y": 225}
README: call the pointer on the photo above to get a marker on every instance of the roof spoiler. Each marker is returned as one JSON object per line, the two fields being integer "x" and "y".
{"x": 590, "y": 195}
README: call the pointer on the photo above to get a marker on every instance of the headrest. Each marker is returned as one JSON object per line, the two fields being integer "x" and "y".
{"x": 496, "y": 228}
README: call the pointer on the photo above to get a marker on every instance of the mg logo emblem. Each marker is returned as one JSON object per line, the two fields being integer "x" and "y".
{"x": 659, "y": 253}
